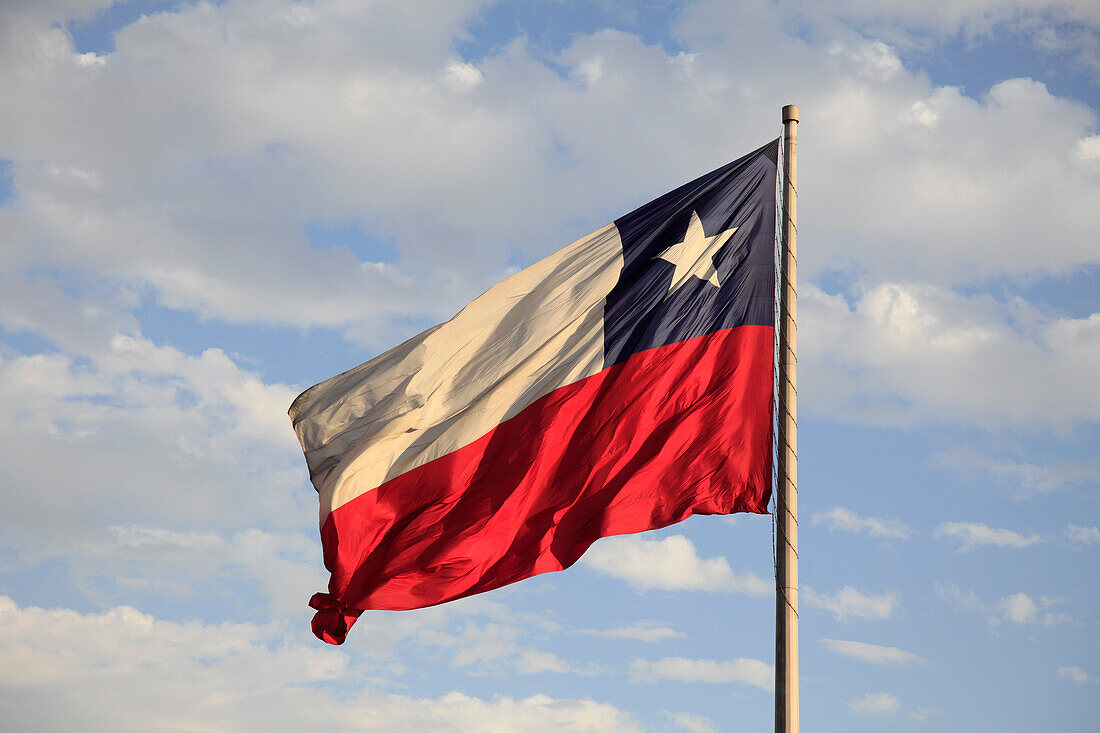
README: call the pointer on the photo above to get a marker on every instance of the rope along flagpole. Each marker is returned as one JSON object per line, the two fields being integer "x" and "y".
{"x": 786, "y": 569}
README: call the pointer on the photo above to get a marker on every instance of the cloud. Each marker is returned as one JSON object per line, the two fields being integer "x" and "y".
{"x": 670, "y": 564}
{"x": 875, "y": 703}
{"x": 534, "y": 662}
{"x": 494, "y": 648}
{"x": 902, "y": 353}
{"x": 1018, "y": 609}
{"x": 1083, "y": 535}
{"x": 1066, "y": 30}
{"x": 125, "y": 415}
{"x": 873, "y": 653}
{"x": 1023, "y": 480}
{"x": 153, "y": 562}
{"x": 65, "y": 665}
{"x": 547, "y": 141}
{"x": 971, "y": 535}
{"x": 848, "y": 603}
{"x": 200, "y": 201}
{"x": 694, "y": 723}
{"x": 747, "y": 671}
{"x": 848, "y": 521}
{"x": 647, "y": 632}
{"x": 1074, "y": 674}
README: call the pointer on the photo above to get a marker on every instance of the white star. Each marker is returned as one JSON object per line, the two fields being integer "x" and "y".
{"x": 693, "y": 257}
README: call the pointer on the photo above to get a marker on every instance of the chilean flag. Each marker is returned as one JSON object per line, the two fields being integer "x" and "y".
{"x": 621, "y": 384}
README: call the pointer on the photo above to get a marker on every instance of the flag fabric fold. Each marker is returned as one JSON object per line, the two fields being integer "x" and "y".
{"x": 621, "y": 384}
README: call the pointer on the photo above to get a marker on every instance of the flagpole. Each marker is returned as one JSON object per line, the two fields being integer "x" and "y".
{"x": 786, "y": 569}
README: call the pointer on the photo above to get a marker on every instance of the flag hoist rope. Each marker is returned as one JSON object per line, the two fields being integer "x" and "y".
{"x": 786, "y": 504}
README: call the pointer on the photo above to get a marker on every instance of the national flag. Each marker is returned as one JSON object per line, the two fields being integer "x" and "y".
{"x": 621, "y": 384}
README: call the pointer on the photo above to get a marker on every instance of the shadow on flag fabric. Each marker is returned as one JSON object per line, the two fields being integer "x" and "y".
{"x": 621, "y": 384}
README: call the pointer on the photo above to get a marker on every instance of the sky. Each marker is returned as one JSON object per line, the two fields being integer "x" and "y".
{"x": 207, "y": 207}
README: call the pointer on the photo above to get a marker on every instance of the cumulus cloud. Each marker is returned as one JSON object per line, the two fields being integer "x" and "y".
{"x": 1021, "y": 479}
{"x": 153, "y": 562}
{"x": 972, "y": 534}
{"x": 848, "y": 603}
{"x": 694, "y": 723}
{"x": 875, "y": 703}
{"x": 670, "y": 564}
{"x": 873, "y": 653}
{"x": 900, "y": 353}
{"x": 1083, "y": 535}
{"x": 252, "y": 161}
{"x": 495, "y": 648}
{"x": 210, "y": 435}
{"x": 641, "y": 631}
{"x": 848, "y": 521}
{"x": 1074, "y": 674}
{"x": 1018, "y": 609}
{"x": 96, "y": 668}
{"x": 747, "y": 671}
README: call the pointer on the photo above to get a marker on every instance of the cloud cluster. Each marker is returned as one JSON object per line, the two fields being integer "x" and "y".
{"x": 670, "y": 564}
{"x": 875, "y": 703}
{"x": 972, "y": 534}
{"x": 1083, "y": 535}
{"x": 839, "y": 518}
{"x": 848, "y": 603}
{"x": 128, "y": 671}
{"x": 873, "y": 653}
{"x": 202, "y": 194}
{"x": 1074, "y": 674}
{"x": 641, "y": 631}
{"x": 1018, "y": 609}
{"x": 1021, "y": 479}
{"x": 901, "y": 353}
{"x": 746, "y": 671}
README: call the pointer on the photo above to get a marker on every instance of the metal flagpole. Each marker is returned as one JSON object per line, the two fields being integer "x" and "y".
{"x": 786, "y": 503}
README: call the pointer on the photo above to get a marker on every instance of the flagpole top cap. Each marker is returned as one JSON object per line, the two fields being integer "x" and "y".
{"x": 790, "y": 113}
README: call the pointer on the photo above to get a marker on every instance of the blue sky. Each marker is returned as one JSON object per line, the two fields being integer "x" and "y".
{"x": 207, "y": 207}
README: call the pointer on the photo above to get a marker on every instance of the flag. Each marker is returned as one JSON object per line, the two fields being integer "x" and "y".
{"x": 621, "y": 384}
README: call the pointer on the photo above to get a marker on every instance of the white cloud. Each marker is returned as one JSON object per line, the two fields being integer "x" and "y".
{"x": 185, "y": 565}
{"x": 1074, "y": 674}
{"x": 647, "y": 632}
{"x": 848, "y": 603}
{"x": 462, "y": 76}
{"x": 670, "y": 564}
{"x": 1088, "y": 148}
{"x": 1023, "y": 480}
{"x": 124, "y": 414}
{"x": 972, "y": 17}
{"x": 461, "y": 177}
{"x": 848, "y": 521}
{"x": 920, "y": 714}
{"x": 962, "y": 600}
{"x": 972, "y": 534}
{"x": 693, "y": 723}
{"x": 534, "y": 662}
{"x": 875, "y": 703}
{"x": 747, "y": 671}
{"x": 100, "y": 668}
{"x": 1018, "y": 609}
{"x": 1083, "y": 535}
{"x": 873, "y": 653}
{"x": 901, "y": 353}
{"x": 873, "y": 59}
